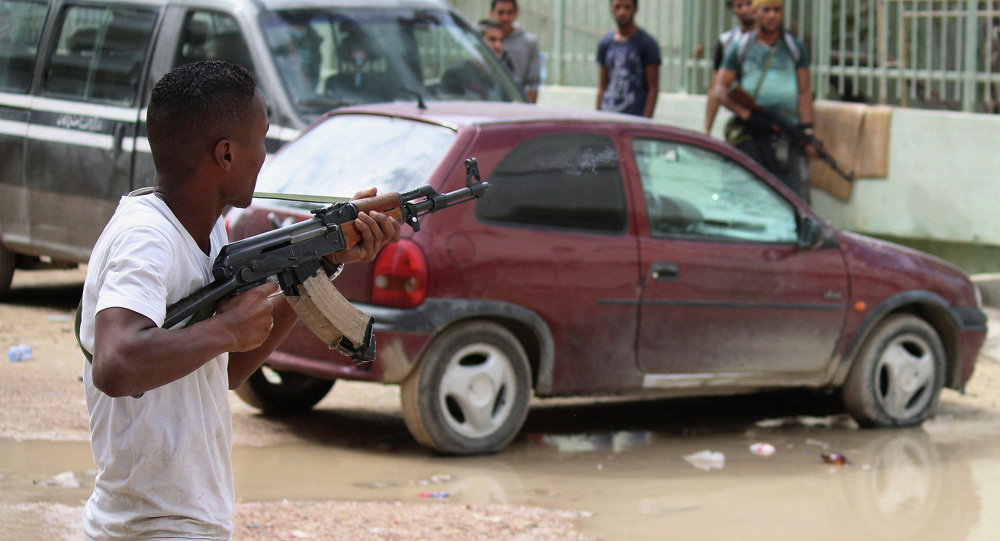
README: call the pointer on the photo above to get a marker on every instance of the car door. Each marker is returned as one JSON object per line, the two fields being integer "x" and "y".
{"x": 727, "y": 291}
{"x": 20, "y": 38}
{"x": 81, "y": 137}
{"x": 561, "y": 245}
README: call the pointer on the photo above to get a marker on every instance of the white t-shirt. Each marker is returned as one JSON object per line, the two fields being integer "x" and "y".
{"x": 164, "y": 459}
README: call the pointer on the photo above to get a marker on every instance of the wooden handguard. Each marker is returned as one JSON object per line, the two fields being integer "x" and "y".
{"x": 387, "y": 204}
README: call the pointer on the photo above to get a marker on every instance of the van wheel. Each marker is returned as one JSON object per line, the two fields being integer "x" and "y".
{"x": 274, "y": 391}
{"x": 469, "y": 394}
{"x": 897, "y": 376}
{"x": 7, "y": 259}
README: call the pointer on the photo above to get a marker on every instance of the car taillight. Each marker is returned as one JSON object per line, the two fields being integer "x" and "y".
{"x": 400, "y": 277}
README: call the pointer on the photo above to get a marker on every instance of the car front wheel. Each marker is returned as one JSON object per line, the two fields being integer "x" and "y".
{"x": 470, "y": 392}
{"x": 897, "y": 377}
{"x": 274, "y": 391}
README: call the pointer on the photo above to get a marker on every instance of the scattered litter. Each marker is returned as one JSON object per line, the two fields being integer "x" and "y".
{"x": 66, "y": 479}
{"x": 818, "y": 443}
{"x": 830, "y": 421}
{"x": 433, "y": 495}
{"x": 435, "y": 479}
{"x": 762, "y": 449}
{"x": 376, "y": 484}
{"x": 835, "y": 458}
{"x": 60, "y": 318}
{"x": 299, "y": 534}
{"x": 20, "y": 352}
{"x": 707, "y": 460}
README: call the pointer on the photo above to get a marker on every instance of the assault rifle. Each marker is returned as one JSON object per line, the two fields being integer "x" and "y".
{"x": 295, "y": 254}
{"x": 740, "y": 96}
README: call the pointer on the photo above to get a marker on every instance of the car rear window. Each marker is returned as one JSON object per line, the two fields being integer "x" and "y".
{"x": 350, "y": 152}
{"x": 560, "y": 181}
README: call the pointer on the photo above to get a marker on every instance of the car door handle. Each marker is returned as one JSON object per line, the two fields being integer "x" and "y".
{"x": 664, "y": 272}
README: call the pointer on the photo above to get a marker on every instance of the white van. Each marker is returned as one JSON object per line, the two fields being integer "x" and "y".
{"x": 75, "y": 77}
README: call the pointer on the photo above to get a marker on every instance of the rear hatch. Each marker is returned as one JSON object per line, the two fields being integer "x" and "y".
{"x": 338, "y": 157}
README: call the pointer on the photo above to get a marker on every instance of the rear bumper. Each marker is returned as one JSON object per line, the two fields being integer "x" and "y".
{"x": 401, "y": 336}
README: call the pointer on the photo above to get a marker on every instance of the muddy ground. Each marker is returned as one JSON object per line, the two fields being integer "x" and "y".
{"x": 42, "y": 399}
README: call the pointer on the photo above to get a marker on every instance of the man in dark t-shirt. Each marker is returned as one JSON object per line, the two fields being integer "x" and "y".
{"x": 629, "y": 60}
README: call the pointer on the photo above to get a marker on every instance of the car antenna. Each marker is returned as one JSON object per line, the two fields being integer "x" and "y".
{"x": 420, "y": 99}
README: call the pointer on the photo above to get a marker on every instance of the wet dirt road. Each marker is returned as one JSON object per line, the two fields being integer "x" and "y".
{"x": 616, "y": 469}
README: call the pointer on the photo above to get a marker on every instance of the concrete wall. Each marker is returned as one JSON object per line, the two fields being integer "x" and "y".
{"x": 943, "y": 186}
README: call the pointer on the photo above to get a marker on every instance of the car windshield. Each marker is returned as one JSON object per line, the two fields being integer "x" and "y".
{"x": 350, "y": 152}
{"x": 332, "y": 57}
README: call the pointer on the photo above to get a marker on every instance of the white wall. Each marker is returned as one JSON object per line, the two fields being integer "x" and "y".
{"x": 944, "y": 171}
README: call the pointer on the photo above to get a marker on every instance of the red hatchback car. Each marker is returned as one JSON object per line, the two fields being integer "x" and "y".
{"x": 611, "y": 255}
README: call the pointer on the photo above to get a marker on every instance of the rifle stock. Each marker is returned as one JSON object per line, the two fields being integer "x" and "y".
{"x": 739, "y": 96}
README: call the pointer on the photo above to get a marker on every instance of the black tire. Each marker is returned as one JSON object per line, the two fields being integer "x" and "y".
{"x": 272, "y": 391}
{"x": 469, "y": 394}
{"x": 897, "y": 377}
{"x": 7, "y": 259}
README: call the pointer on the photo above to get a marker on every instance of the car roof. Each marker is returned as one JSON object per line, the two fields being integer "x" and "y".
{"x": 458, "y": 114}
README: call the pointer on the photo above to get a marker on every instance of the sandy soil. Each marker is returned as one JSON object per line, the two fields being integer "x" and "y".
{"x": 42, "y": 398}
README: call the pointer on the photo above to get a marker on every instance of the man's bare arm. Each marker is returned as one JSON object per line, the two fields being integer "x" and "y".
{"x": 132, "y": 355}
{"x": 602, "y": 85}
{"x": 653, "y": 84}
{"x": 720, "y": 89}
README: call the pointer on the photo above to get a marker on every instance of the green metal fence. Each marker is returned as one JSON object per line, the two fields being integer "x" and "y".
{"x": 935, "y": 54}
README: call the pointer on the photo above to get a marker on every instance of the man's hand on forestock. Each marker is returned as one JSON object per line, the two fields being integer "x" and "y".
{"x": 248, "y": 316}
{"x": 377, "y": 230}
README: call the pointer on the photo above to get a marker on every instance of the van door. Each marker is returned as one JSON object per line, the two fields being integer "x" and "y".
{"x": 20, "y": 36}
{"x": 81, "y": 138}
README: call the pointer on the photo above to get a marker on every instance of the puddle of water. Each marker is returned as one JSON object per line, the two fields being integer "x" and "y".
{"x": 900, "y": 484}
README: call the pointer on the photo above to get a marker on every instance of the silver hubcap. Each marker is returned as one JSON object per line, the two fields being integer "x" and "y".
{"x": 476, "y": 390}
{"x": 904, "y": 376}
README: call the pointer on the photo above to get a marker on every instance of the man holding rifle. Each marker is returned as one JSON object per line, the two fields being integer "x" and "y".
{"x": 161, "y": 430}
{"x": 773, "y": 120}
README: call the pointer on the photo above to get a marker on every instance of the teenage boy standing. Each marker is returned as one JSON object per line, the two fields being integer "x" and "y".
{"x": 629, "y": 60}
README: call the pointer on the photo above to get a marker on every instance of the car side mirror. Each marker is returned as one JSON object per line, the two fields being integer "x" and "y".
{"x": 811, "y": 233}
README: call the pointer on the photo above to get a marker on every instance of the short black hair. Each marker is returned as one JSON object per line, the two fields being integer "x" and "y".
{"x": 194, "y": 106}
{"x": 493, "y": 4}
{"x": 634, "y": 2}
{"x": 487, "y": 24}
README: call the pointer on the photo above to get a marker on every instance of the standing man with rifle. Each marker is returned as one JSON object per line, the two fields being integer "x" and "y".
{"x": 161, "y": 431}
{"x": 773, "y": 100}
{"x": 746, "y": 21}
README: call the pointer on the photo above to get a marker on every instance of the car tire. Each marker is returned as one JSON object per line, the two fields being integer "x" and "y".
{"x": 7, "y": 260}
{"x": 274, "y": 391}
{"x": 897, "y": 376}
{"x": 469, "y": 394}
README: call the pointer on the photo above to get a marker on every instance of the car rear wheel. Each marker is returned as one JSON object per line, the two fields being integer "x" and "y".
{"x": 470, "y": 392}
{"x": 7, "y": 259}
{"x": 897, "y": 377}
{"x": 274, "y": 391}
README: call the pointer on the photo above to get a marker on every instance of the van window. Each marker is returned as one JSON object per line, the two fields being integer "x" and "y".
{"x": 100, "y": 54}
{"x": 210, "y": 35}
{"x": 331, "y": 57}
{"x": 21, "y": 25}
{"x": 564, "y": 181}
